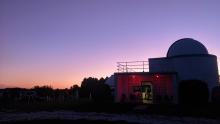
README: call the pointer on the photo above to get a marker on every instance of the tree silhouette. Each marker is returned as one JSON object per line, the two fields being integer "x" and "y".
{"x": 74, "y": 91}
{"x": 193, "y": 92}
{"x": 44, "y": 92}
{"x": 96, "y": 89}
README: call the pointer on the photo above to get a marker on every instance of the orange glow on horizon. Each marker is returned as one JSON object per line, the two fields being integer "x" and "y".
{"x": 54, "y": 85}
{"x": 55, "y": 80}
{"x": 31, "y": 85}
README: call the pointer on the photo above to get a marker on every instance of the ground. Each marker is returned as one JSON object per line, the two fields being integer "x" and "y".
{"x": 97, "y": 118}
{"x": 98, "y": 113}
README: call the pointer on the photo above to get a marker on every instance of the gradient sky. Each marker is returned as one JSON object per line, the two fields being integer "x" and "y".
{"x": 59, "y": 42}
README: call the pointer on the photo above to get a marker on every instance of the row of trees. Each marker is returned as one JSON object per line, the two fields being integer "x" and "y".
{"x": 91, "y": 88}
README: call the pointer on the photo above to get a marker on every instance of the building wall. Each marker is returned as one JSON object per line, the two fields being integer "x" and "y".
{"x": 162, "y": 86}
{"x": 200, "y": 67}
{"x": 160, "y": 65}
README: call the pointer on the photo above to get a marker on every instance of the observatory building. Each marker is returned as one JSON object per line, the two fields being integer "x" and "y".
{"x": 186, "y": 60}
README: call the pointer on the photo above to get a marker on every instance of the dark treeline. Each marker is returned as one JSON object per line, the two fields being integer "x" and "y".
{"x": 95, "y": 89}
{"x": 92, "y": 89}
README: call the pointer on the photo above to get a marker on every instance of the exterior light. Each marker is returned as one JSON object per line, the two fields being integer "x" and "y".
{"x": 133, "y": 76}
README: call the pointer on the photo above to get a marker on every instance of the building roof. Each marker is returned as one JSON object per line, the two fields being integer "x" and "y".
{"x": 187, "y": 46}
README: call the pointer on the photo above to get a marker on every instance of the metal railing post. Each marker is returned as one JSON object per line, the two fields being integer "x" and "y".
{"x": 126, "y": 66}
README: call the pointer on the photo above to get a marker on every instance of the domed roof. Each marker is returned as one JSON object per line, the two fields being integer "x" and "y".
{"x": 186, "y": 46}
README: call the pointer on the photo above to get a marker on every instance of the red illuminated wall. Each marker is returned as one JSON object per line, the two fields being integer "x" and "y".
{"x": 162, "y": 85}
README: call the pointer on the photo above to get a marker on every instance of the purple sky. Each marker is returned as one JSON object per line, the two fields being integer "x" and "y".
{"x": 59, "y": 42}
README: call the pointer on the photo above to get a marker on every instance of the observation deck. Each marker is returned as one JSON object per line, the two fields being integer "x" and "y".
{"x": 133, "y": 66}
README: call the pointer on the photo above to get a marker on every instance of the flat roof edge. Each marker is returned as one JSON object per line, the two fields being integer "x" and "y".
{"x": 199, "y": 55}
{"x": 124, "y": 73}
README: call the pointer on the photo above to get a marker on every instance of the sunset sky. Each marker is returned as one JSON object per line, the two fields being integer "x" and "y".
{"x": 59, "y": 42}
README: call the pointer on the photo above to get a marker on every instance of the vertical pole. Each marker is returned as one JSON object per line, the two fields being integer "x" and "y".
{"x": 143, "y": 66}
{"x": 126, "y": 66}
{"x": 118, "y": 65}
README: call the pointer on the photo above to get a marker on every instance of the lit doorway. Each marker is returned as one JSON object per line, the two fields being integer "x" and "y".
{"x": 147, "y": 92}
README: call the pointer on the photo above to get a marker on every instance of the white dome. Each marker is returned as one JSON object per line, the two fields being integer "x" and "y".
{"x": 186, "y": 46}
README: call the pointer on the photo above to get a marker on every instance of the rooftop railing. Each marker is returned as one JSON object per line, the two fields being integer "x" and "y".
{"x": 133, "y": 66}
